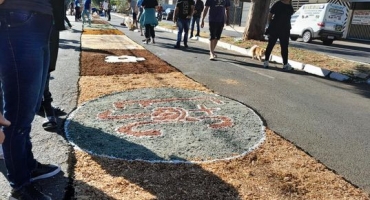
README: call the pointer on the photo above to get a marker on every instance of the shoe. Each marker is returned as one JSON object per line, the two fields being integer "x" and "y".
{"x": 212, "y": 57}
{"x": 123, "y": 24}
{"x": 51, "y": 124}
{"x": 177, "y": 46}
{"x": 186, "y": 45}
{"x": 28, "y": 192}
{"x": 287, "y": 67}
{"x": 44, "y": 171}
{"x": 146, "y": 41}
{"x": 190, "y": 37}
{"x": 266, "y": 64}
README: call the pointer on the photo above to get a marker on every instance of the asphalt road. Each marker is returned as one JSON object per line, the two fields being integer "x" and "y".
{"x": 327, "y": 119}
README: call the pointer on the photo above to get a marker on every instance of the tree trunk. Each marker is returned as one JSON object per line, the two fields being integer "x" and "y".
{"x": 258, "y": 13}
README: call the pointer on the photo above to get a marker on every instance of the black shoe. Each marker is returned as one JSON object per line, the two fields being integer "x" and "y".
{"x": 50, "y": 124}
{"x": 186, "y": 45}
{"x": 177, "y": 46}
{"x": 28, "y": 192}
{"x": 44, "y": 171}
{"x": 190, "y": 36}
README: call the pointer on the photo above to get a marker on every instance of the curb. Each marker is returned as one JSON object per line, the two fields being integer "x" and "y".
{"x": 311, "y": 69}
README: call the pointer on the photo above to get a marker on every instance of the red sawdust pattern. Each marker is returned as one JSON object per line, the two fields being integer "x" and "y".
{"x": 102, "y": 32}
{"x": 93, "y": 63}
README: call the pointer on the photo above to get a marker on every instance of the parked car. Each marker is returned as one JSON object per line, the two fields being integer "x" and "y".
{"x": 169, "y": 13}
{"x": 318, "y": 21}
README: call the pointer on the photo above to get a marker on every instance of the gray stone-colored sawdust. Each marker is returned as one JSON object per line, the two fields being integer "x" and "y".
{"x": 180, "y": 140}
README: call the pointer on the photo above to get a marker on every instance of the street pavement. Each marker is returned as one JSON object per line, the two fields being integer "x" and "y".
{"x": 327, "y": 119}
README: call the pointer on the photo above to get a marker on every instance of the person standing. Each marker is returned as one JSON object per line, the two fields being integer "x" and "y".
{"x": 279, "y": 28}
{"x": 181, "y": 16}
{"x": 159, "y": 12}
{"x": 77, "y": 11}
{"x": 105, "y": 7}
{"x": 148, "y": 19}
{"x": 198, "y": 9}
{"x": 133, "y": 8}
{"x": 86, "y": 12}
{"x": 141, "y": 10}
{"x": 24, "y": 57}
{"x": 218, "y": 9}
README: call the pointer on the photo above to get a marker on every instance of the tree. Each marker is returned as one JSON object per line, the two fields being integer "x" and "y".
{"x": 256, "y": 24}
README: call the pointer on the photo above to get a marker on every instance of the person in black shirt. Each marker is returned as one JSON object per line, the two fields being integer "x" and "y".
{"x": 182, "y": 15}
{"x": 198, "y": 9}
{"x": 279, "y": 28}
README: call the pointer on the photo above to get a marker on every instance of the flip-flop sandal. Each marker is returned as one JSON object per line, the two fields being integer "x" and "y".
{"x": 49, "y": 125}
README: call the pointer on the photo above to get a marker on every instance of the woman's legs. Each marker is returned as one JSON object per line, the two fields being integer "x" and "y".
{"x": 284, "y": 43}
{"x": 24, "y": 62}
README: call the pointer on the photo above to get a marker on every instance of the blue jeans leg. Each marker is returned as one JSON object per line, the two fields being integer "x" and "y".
{"x": 198, "y": 26}
{"x": 186, "y": 24}
{"x": 24, "y": 63}
{"x": 180, "y": 29}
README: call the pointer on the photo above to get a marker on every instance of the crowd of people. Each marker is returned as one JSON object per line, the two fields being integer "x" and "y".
{"x": 29, "y": 41}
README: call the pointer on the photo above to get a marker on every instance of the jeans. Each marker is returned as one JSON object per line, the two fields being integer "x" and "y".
{"x": 193, "y": 21}
{"x": 183, "y": 25}
{"x": 24, "y": 64}
{"x": 87, "y": 13}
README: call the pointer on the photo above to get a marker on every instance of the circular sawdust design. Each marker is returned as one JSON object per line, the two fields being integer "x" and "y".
{"x": 165, "y": 125}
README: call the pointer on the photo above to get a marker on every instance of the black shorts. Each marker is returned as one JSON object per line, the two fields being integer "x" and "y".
{"x": 134, "y": 16}
{"x": 215, "y": 29}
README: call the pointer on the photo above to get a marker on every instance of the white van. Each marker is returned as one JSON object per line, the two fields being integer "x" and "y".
{"x": 318, "y": 21}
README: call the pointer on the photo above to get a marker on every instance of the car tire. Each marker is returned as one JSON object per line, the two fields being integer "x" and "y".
{"x": 293, "y": 38}
{"x": 327, "y": 42}
{"x": 307, "y": 36}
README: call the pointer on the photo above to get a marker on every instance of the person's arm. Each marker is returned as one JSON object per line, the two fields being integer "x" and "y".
{"x": 269, "y": 18}
{"x": 192, "y": 11}
{"x": 205, "y": 11}
{"x": 3, "y": 122}
{"x": 227, "y": 16}
{"x": 175, "y": 12}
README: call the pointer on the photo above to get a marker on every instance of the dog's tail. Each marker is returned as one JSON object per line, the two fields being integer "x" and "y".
{"x": 251, "y": 50}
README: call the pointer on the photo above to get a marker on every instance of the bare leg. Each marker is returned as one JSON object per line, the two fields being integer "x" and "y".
{"x": 212, "y": 46}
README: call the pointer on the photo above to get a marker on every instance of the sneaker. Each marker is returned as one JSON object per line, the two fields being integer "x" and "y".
{"x": 287, "y": 67}
{"x": 28, "y": 192}
{"x": 44, "y": 171}
{"x": 266, "y": 64}
{"x": 50, "y": 124}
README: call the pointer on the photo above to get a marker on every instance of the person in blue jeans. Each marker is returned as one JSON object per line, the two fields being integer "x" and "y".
{"x": 198, "y": 9}
{"x": 25, "y": 28}
{"x": 86, "y": 12}
{"x": 182, "y": 15}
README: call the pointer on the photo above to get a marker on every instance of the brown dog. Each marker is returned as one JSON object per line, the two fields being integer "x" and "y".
{"x": 257, "y": 52}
